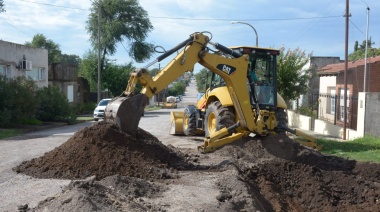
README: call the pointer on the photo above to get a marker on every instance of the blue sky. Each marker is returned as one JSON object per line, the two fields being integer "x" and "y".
{"x": 317, "y": 27}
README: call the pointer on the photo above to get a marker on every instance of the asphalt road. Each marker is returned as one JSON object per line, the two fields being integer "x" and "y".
{"x": 17, "y": 189}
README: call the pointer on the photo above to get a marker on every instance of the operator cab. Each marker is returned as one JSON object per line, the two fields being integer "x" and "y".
{"x": 262, "y": 68}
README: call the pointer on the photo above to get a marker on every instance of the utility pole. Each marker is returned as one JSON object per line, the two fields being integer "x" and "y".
{"x": 366, "y": 51}
{"x": 99, "y": 48}
{"x": 345, "y": 71}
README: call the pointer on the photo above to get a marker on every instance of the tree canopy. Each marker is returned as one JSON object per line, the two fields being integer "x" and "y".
{"x": 89, "y": 69}
{"x": 114, "y": 77}
{"x": 2, "y": 6}
{"x": 202, "y": 77}
{"x": 54, "y": 51}
{"x": 177, "y": 89}
{"x": 292, "y": 80}
{"x": 359, "y": 50}
{"x": 40, "y": 41}
{"x": 120, "y": 20}
{"x": 70, "y": 59}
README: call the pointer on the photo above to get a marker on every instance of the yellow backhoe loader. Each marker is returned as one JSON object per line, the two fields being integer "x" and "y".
{"x": 169, "y": 103}
{"x": 234, "y": 106}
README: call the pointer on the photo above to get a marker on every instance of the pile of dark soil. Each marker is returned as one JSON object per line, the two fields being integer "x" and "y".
{"x": 272, "y": 173}
{"x": 103, "y": 150}
{"x": 285, "y": 176}
{"x": 113, "y": 193}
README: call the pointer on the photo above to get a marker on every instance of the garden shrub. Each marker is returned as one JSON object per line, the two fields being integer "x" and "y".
{"x": 54, "y": 105}
{"x": 17, "y": 100}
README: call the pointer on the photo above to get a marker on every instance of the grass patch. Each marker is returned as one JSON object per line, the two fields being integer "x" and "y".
{"x": 5, "y": 133}
{"x": 85, "y": 118}
{"x": 150, "y": 108}
{"x": 360, "y": 149}
{"x": 31, "y": 121}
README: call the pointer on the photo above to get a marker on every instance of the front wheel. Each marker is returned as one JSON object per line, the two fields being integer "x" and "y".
{"x": 217, "y": 117}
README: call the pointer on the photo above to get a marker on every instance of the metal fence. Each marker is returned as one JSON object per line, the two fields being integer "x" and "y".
{"x": 330, "y": 108}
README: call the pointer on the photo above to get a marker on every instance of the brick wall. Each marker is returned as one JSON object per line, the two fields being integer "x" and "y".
{"x": 355, "y": 84}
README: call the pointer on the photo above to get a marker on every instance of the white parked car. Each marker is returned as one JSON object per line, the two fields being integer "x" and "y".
{"x": 99, "y": 110}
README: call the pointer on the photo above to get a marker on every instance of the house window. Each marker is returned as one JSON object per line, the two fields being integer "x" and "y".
{"x": 5, "y": 71}
{"x": 341, "y": 115}
{"x": 36, "y": 74}
{"x": 332, "y": 101}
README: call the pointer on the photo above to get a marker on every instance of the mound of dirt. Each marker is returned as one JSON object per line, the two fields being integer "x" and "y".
{"x": 272, "y": 173}
{"x": 113, "y": 193}
{"x": 103, "y": 150}
{"x": 285, "y": 176}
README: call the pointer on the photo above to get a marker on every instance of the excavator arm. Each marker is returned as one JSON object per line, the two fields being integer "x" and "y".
{"x": 126, "y": 110}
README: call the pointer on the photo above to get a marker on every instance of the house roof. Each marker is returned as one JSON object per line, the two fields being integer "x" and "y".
{"x": 336, "y": 68}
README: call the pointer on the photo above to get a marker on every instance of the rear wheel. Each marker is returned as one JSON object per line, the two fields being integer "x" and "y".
{"x": 282, "y": 119}
{"x": 189, "y": 127}
{"x": 217, "y": 116}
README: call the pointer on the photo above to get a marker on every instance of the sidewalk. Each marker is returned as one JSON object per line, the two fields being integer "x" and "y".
{"x": 48, "y": 125}
{"x": 45, "y": 125}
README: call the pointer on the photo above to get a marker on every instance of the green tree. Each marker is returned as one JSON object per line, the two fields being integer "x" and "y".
{"x": 54, "y": 51}
{"x": 292, "y": 81}
{"x": 88, "y": 69}
{"x": 356, "y": 46}
{"x": 2, "y": 6}
{"x": 70, "y": 59}
{"x": 120, "y": 20}
{"x": 177, "y": 89}
{"x": 359, "y": 51}
{"x": 115, "y": 78}
{"x": 203, "y": 78}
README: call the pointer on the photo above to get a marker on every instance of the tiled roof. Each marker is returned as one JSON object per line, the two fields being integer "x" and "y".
{"x": 333, "y": 69}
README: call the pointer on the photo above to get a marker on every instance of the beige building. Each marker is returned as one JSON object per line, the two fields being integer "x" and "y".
{"x": 19, "y": 60}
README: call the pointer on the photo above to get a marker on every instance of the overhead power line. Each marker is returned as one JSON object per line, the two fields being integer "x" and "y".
{"x": 356, "y": 27}
{"x": 15, "y": 27}
{"x": 261, "y": 19}
{"x": 53, "y": 5}
{"x": 198, "y": 19}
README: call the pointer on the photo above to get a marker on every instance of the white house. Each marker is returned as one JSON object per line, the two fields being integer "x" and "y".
{"x": 314, "y": 63}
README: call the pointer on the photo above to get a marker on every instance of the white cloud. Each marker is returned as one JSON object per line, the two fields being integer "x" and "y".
{"x": 175, "y": 20}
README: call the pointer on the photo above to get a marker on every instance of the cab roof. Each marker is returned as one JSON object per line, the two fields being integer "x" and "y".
{"x": 248, "y": 49}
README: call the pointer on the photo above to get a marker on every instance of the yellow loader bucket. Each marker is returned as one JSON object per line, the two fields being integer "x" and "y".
{"x": 126, "y": 112}
{"x": 176, "y": 118}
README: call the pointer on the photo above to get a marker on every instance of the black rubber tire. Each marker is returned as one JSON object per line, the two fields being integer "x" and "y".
{"x": 189, "y": 122}
{"x": 95, "y": 119}
{"x": 282, "y": 119}
{"x": 223, "y": 117}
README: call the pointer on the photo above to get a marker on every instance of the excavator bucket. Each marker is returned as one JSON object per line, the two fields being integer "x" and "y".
{"x": 126, "y": 112}
{"x": 176, "y": 118}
